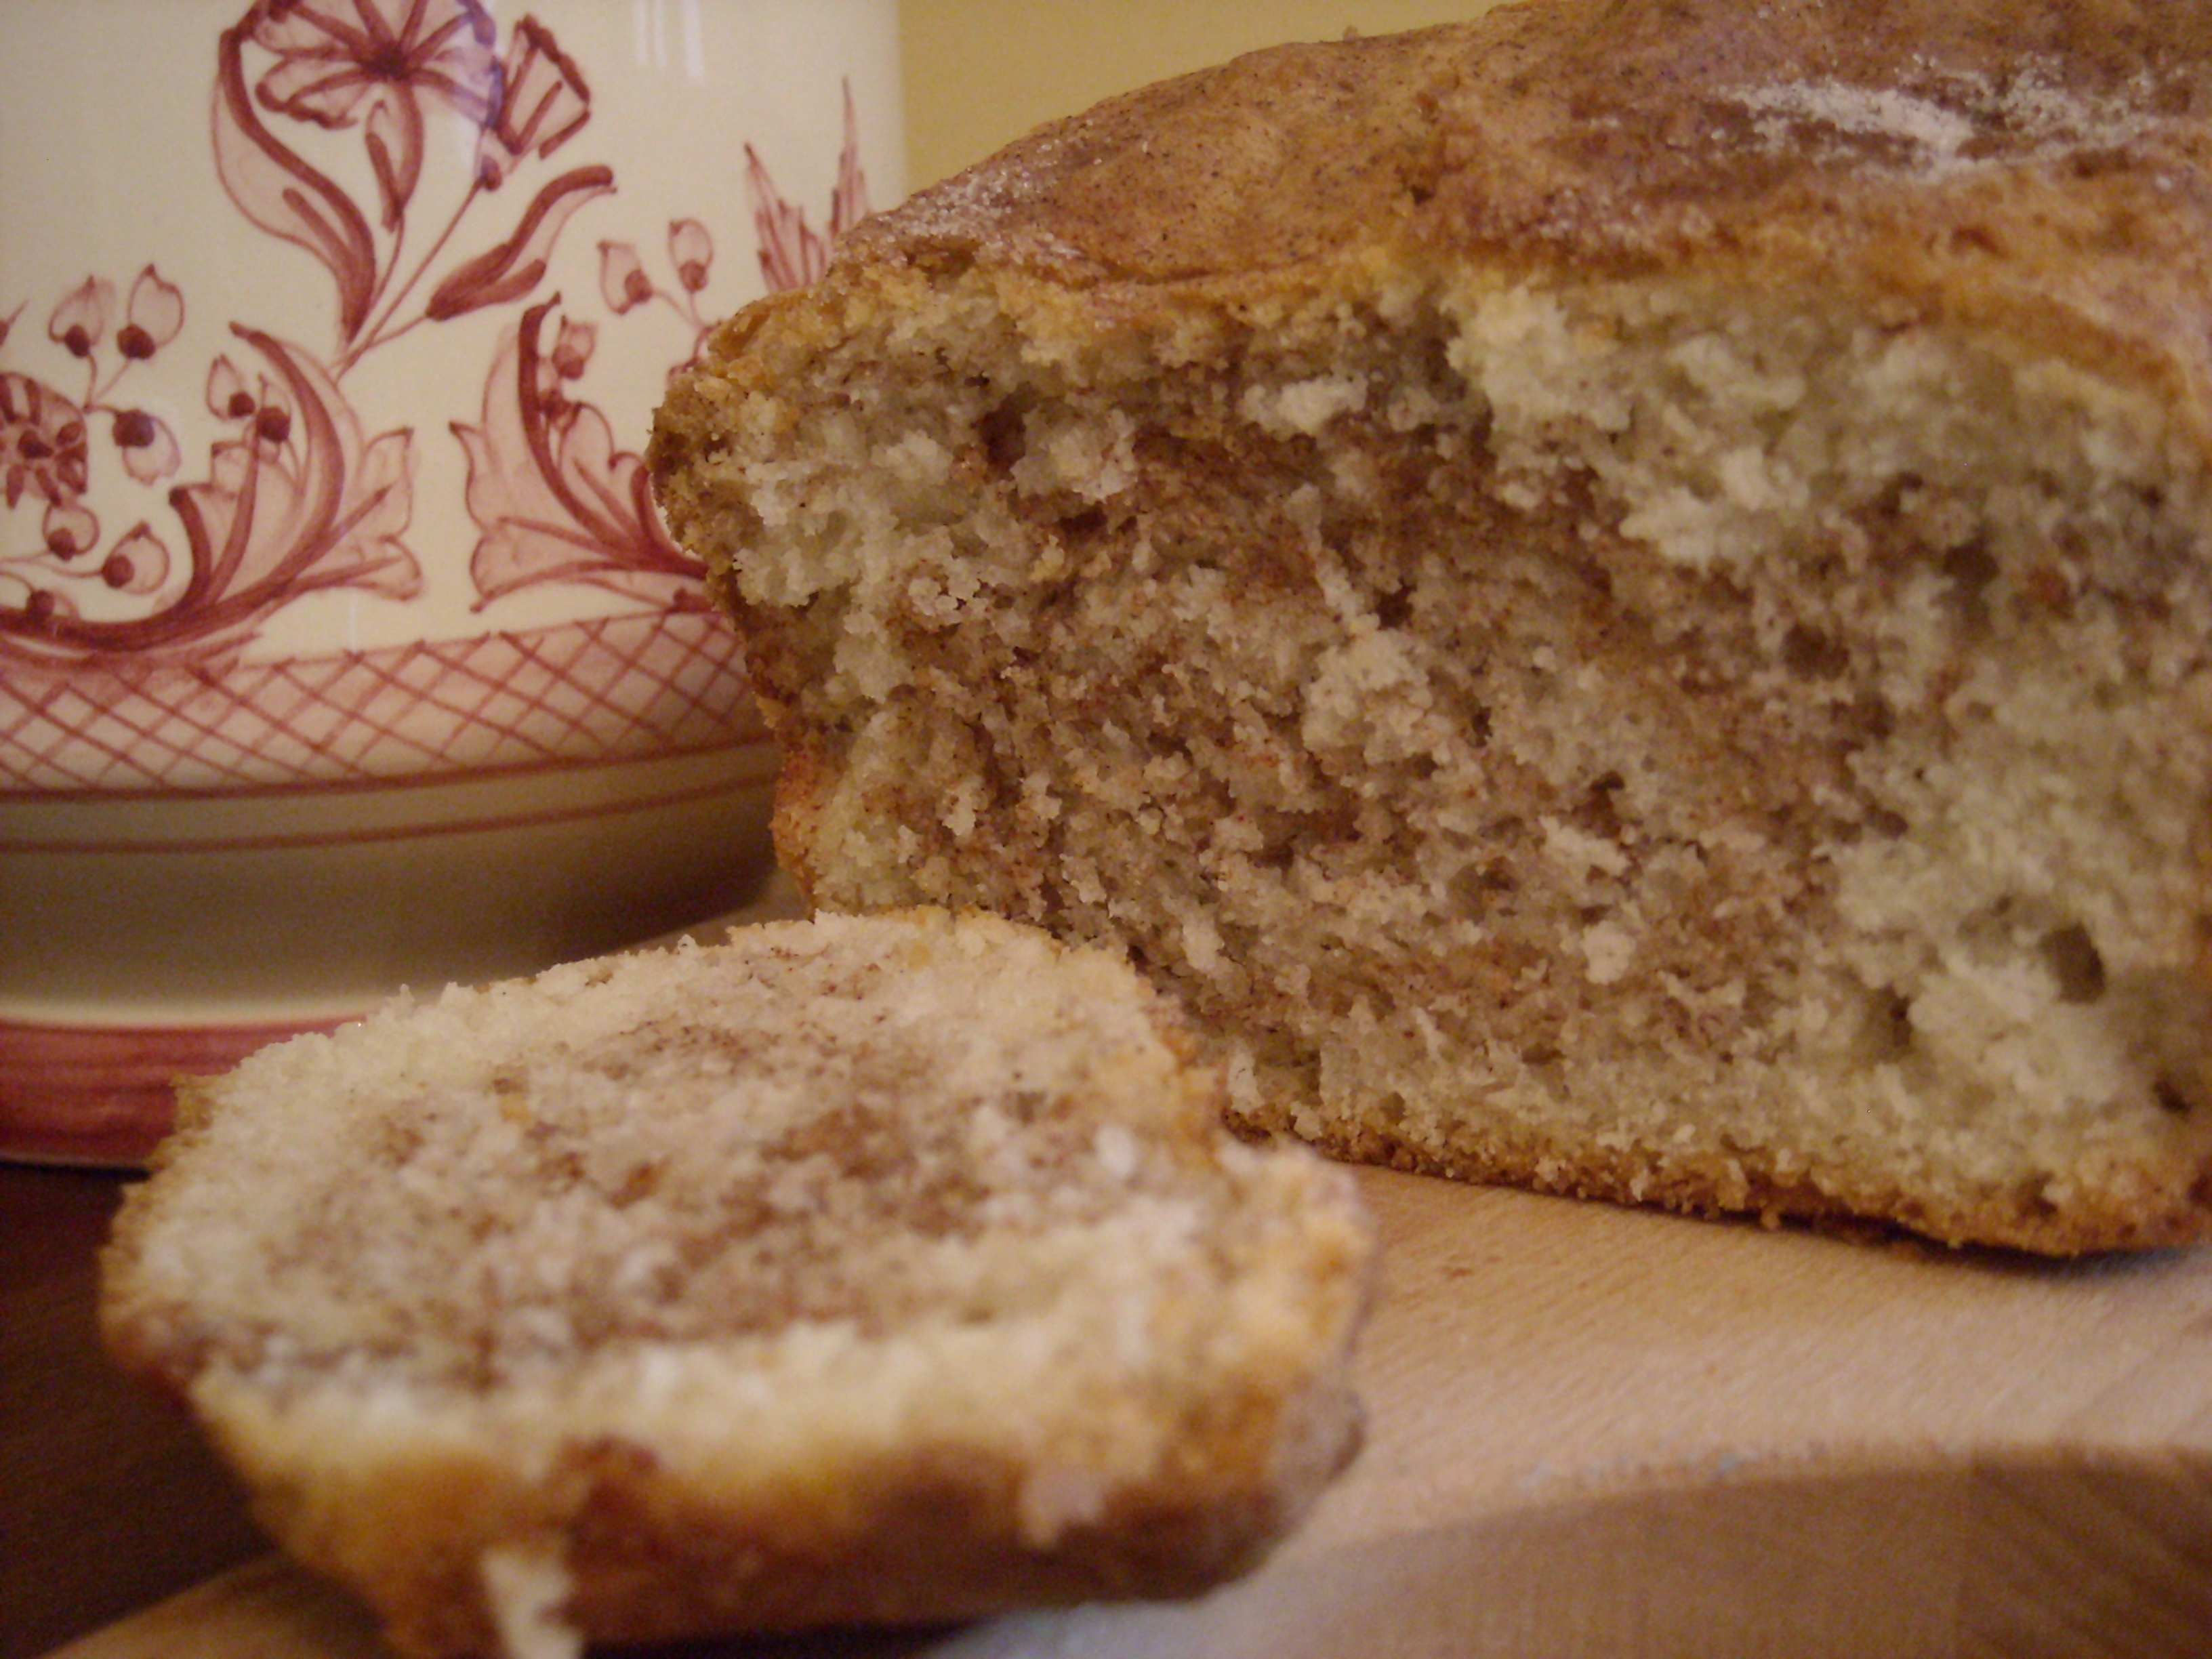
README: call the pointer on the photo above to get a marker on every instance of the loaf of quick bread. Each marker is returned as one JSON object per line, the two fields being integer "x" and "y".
{"x": 1616, "y": 598}
{"x": 863, "y": 1270}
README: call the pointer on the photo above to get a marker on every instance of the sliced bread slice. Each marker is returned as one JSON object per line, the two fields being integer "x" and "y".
{"x": 848, "y": 1271}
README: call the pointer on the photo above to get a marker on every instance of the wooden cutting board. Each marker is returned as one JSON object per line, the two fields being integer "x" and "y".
{"x": 1622, "y": 1435}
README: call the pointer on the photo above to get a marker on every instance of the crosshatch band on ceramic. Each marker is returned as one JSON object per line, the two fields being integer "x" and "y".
{"x": 320, "y": 496}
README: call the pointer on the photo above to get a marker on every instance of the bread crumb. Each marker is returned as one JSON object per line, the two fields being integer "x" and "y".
{"x": 526, "y": 1587}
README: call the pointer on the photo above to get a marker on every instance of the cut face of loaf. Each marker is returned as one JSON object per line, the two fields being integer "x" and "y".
{"x": 1629, "y": 671}
{"x": 869, "y": 1271}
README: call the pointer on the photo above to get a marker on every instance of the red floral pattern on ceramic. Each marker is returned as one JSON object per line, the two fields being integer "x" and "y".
{"x": 341, "y": 647}
{"x": 297, "y": 493}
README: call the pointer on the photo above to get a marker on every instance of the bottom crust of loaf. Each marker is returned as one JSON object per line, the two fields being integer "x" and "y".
{"x": 2125, "y": 1207}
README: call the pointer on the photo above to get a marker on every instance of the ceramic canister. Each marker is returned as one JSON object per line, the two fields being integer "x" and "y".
{"x": 341, "y": 649}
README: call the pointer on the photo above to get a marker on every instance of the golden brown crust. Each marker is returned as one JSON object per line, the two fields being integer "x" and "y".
{"x": 2046, "y": 168}
{"x": 2134, "y": 1210}
{"x": 938, "y": 1540}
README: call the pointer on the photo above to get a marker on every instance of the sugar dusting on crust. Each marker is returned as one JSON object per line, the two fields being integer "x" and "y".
{"x": 971, "y": 204}
{"x": 1959, "y": 121}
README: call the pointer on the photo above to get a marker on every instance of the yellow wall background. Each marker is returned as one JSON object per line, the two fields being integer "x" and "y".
{"x": 980, "y": 72}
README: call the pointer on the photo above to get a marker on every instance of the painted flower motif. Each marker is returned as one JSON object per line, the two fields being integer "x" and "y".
{"x": 297, "y": 495}
{"x": 264, "y": 403}
{"x": 70, "y": 528}
{"x": 572, "y": 352}
{"x": 153, "y": 317}
{"x": 543, "y": 103}
{"x": 557, "y": 497}
{"x": 150, "y": 449}
{"x": 335, "y": 56}
{"x": 273, "y": 425}
{"x": 375, "y": 62}
{"x": 301, "y": 500}
{"x": 80, "y": 322}
{"x": 793, "y": 253}
{"x": 691, "y": 251}
{"x": 514, "y": 268}
{"x": 42, "y": 443}
{"x": 139, "y": 563}
{"x": 229, "y": 397}
{"x": 622, "y": 282}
